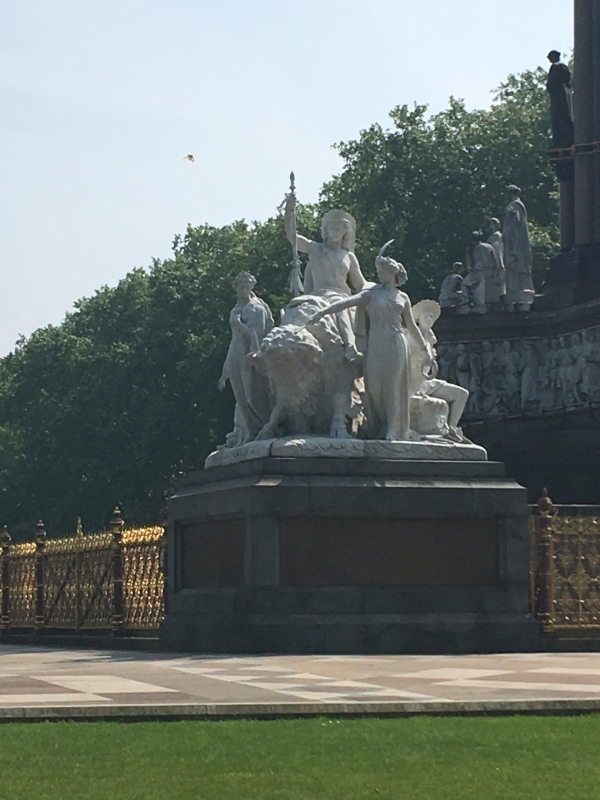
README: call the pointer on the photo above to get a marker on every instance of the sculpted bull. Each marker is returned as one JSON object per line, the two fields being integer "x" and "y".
{"x": 316, "y": 388}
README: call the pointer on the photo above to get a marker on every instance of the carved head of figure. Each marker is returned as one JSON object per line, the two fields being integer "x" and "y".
{"x": 476, "y": 237}
{"x": 553, "y": 56}
{"x": 426, "y": 314}
{"x": 387, "y": 267}
{"x": 339, "y": 227}
{"x": 244, "y": 283}
{"x": 514, "y": 191}
{"x": 494, "y": 224}
{"x": 506, "y": 346}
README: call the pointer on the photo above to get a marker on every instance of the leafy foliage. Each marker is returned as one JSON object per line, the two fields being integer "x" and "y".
{"x": 119, "y": 401}
{"x": 430, "y": 181}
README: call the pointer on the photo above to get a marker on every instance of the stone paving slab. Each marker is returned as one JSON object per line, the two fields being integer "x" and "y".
{"x": 50, "y": 683}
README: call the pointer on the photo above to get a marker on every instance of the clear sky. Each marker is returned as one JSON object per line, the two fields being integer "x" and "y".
{"x": 102, "y": 99}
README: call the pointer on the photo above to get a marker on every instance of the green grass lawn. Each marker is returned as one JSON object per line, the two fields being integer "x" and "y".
{"x": 400, "y": 759}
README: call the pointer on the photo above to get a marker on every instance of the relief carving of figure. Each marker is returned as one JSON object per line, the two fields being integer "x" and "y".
{"x": 530, "y": 377}
{"x": 447, "y": 362}
{"x": 517, "y": 254}
{"x": 250, "y": 320}
{"x": 592, "y": 372}
{"x": 554, "y": 366}
{"x": 476, "y": 383}
{"x": 545, "y": 392}
{"x": 509, "y": 362}
{"x": 492, "y": 380}
{"x": 580, "y": 367}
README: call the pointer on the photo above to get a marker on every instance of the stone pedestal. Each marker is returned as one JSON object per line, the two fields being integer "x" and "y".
{"x": 330, "y": 555}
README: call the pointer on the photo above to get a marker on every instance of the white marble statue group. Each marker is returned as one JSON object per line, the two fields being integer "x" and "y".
{"x": 499, "y": 276}
{"x": 350, "y": 360}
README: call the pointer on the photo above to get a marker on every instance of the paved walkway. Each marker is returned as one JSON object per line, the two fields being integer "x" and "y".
{"x": 43, "y": 683}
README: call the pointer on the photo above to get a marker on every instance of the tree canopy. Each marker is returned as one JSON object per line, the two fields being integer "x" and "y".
{"x": 117, "y": 402}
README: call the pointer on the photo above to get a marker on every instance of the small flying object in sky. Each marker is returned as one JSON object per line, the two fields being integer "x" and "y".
{"x": 189, "y": 157}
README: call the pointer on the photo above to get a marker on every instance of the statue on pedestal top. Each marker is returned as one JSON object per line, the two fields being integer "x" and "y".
{"x": 453, "y": 297}
{"x": 558, "y": 86}
{"x": 517, "y": 254}
{"x": 250, "y": 320}
{"x": 485, "y": 264}
{"x": 497, "y": 242}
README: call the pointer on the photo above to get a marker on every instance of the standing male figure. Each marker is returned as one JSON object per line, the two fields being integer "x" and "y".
{"x": 496, "y": 240}
{"x": 558, "y": 86}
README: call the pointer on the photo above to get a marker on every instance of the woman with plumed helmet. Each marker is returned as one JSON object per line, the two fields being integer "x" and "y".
{"x": 384, "y": 318}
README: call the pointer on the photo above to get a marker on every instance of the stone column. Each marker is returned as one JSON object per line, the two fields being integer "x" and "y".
{"x": 596, "y": 115}
{"x": 567, "y": 215}
{"x": 584, "y": 120}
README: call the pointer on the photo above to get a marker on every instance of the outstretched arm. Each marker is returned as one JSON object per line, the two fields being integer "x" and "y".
{"x": 340, "y": 305}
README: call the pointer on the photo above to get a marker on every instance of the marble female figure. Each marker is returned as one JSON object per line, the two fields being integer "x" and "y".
{"x": 333, "y": 270}
{"x": 387, "y": 319}
{"x": 517, "y": 254}
{"x": 250, "y": 320}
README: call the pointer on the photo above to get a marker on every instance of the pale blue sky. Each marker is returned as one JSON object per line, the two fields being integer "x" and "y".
{"x": 102, "y": 99}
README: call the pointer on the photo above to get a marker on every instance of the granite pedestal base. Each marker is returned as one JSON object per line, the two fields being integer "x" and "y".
{"x": 317, "y": 555}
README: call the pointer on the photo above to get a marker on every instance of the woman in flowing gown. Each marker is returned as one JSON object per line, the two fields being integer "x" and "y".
{"x": 384, "y": 317}
{"x": 250, "y": 320}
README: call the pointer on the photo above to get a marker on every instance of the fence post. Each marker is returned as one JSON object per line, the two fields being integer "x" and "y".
{"x": 164, "y": 557}
{"x": 40, "y": 544}
{"x": 116, "y": 527}
{"x": 5, "y": 578}
{"x": 78, "y": 575}
{"x": 543, "y": 578}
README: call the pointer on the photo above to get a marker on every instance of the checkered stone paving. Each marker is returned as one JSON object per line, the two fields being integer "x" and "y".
{"x": 71, "y": 683}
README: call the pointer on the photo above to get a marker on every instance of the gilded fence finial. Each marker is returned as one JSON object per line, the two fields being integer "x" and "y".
{"x": 116, "y": 527}
{"x": 545, "y": 504}
{"x": 40, "y": 532}
{"x": 116, "y": 523}
{"x": 5, "y": 538}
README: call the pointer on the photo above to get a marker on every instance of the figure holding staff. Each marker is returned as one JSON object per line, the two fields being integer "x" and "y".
{"x": 333, "y": 270}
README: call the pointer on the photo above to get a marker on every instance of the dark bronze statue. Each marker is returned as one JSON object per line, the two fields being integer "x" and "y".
{"x": 558, "y": 86}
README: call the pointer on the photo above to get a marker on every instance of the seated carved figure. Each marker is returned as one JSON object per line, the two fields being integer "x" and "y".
{"x": 436, "y": 406}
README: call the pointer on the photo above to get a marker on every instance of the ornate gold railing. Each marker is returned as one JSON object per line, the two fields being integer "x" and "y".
{"x": 112, "y": 580}
{"x": 565, "y": 566}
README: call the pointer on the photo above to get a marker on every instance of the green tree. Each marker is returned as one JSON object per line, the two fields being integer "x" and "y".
{"x": 118, "y": 402}
{"x": 429, "y": 181}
